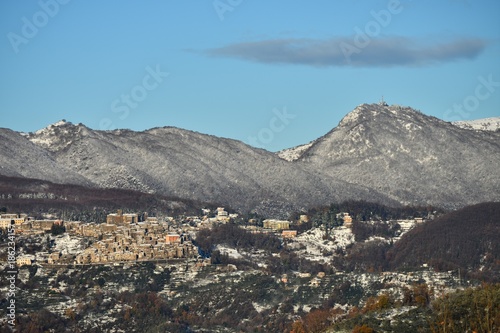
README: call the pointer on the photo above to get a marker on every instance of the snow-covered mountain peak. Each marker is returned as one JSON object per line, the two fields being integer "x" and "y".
{"x": 61, "y": 123}
{"x": 371, "y": 111}
{"x": 57, "y": 136}
{"x": 353, "y": 116}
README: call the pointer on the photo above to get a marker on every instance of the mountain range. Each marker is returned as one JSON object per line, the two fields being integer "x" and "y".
{"x": 388, "y": 154}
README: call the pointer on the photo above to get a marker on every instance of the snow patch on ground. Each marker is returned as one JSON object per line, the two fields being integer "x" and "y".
{"x": 377, "y": 238}
{"x": 485, "y": 124}
{"x": 352, "y": 116}
{"x": 260, "y": 307}
{"x": 314, "y": 245}
{"x": 292, "y": 154}
{"x": 232, "y": 253}
{"x": 69, "y": 245}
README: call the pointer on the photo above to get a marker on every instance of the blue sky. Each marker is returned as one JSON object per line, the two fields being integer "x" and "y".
{"x": 273, "y": 74}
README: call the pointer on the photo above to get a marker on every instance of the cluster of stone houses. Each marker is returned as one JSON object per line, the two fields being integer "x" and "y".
{"x": 221, "y": 216}
{"x": 26, "y": 224}
{"x": 7, "y": 220}
{"x": 282, "y": 226}
{"x": 122, "y": 238}
{"x": 22, "y": 223}
{"x": 25, "y": 260}
{"x": 130, "y": 237}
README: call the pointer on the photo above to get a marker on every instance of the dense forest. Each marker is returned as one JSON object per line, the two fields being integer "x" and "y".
{"x": 280, "y": 259}
{"x": 234, "y": 236}
{"x": 79, "y": 203}
{"x": 361, "y": 210}
{"x": 467, "y": 239}
{"x": 470, "y": 310}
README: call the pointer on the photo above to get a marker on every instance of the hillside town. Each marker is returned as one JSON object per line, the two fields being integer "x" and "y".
{"x": 139, "y": 237}
{"x": 273, "y": 267}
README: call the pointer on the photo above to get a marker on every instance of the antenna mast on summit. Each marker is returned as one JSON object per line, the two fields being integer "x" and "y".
{"x": 382, "y": 102}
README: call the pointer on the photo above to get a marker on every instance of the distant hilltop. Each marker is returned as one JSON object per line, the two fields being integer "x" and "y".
{"x": 393, "y": 155}
{"x": 486, "y": 124}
